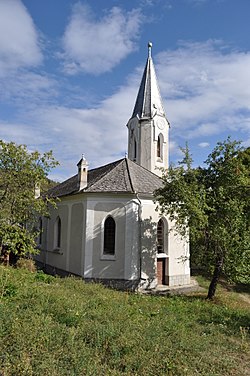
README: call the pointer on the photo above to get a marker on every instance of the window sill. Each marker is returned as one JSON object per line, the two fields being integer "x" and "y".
{"x": 162, "y": 255}
{"x": 57, "y": 251}
{"x": 108, "y": 257}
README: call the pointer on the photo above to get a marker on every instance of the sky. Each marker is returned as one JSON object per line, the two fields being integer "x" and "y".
{"x": 70, "y": 72}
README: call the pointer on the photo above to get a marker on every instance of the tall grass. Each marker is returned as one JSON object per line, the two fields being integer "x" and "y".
{"x": 52, "y": 326}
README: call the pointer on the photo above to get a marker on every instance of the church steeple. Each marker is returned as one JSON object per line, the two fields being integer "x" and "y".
{"x": 148, "y": 101}
{"x": 148, "y": 126}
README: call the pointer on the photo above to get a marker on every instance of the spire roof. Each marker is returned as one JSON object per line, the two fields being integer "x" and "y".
{"x": 148, "y": 101}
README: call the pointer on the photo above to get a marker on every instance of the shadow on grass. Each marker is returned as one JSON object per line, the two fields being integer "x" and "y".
{"x": 215, "y": 313}
{"x": 235, "y": 287}
{"x": 240, "y": 287}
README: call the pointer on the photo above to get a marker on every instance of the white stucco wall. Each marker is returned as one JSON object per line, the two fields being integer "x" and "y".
{"x": 124, "y": 264}
{"x": 177, "y": 256}
{"x": 69, "y": 256}
{"x": 81, "y": 252}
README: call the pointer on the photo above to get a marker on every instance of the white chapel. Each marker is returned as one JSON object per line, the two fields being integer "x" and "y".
{"x": 106, "y": 227}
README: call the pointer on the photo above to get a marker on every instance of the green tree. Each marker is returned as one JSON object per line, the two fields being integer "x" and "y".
{"x": 212, "y": 204}
{"x": 21, "y": 172}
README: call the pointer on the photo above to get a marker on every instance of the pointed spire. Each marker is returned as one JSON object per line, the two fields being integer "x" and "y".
{"x": 148, "y": 102}
{"x": 150, "y": 44}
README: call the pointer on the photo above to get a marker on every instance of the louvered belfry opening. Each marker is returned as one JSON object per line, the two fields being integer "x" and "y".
{"x": 160, "y": 236}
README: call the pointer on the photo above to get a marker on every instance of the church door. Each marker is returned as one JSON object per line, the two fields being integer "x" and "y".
{"x": 161, "y": 271}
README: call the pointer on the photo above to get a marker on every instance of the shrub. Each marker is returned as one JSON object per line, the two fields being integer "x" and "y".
{"x": 28, "y": 264}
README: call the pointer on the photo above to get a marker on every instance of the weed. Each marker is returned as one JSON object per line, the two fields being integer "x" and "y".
{"x": 42, "y": 277}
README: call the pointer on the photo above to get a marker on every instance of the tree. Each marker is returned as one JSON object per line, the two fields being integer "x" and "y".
{"x": 21, "y": 172}
{"x": 213, "y": 203}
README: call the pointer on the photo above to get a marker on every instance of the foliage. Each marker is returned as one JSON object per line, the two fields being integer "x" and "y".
{"x": 17, "y": 239}
{"x": 213, "y": 203}
{"x": 68, "y": 327}
{"x": 21, "y": 172}
{"x": 26, "y": 263}
{"x": 47, "y": 185}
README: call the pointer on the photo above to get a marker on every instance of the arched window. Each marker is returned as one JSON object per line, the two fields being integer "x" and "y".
{"x": 162, "y": 236}
{"x": 159, "y": 151}
{"x": 109, "y": 236}
{"x": 58, "y": 232}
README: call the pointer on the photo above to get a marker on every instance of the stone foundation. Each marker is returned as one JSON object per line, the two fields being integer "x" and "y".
{"x": 118, "y": 284}
{"x": 178, "y": 280}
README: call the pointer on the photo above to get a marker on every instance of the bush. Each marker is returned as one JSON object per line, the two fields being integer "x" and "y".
{"x": 27, "y": 264}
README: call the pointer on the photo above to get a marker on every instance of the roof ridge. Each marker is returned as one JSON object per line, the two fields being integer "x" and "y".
{"x": 107, "y": 164}
{"x": 147, "y": 83}
{"x": 105, "y": 175}
{"x": 129, "y": 175}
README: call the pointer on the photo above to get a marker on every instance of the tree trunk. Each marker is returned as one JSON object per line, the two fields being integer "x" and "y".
{"x": 215, "y": 278}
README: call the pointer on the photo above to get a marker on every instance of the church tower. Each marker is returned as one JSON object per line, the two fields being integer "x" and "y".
{"x": 148, "y": 127}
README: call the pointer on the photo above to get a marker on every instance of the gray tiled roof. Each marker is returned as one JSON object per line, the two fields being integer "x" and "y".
{"x": 122, "y": 176}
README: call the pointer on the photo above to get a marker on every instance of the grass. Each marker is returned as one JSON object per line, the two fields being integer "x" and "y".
{"x": 52, "y": 326}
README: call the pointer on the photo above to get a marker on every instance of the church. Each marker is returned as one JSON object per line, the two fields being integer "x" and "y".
{"x": 105, "y": 227}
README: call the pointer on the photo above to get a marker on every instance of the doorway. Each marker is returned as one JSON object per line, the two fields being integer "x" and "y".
{"x": 161, "y": 269}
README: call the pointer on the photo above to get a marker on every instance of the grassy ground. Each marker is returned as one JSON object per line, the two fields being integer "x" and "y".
{"x": 51, "y": 326}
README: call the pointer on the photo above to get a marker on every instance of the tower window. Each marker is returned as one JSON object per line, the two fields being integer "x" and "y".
{"x": 109, "y": 236}
{"x": 135, "y": 149}
{"x": 159, "y": 151}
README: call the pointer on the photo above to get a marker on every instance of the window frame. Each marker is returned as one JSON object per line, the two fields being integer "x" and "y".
{"x": 165, "y": 238}
{"x": 109, "y": 255}
{"x": 58, "y": 233}
{"x": 159, "y": 147}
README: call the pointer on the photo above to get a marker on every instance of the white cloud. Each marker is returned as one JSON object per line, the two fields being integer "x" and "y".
{"x": 196, "y": 2}
{"x": 19, "y": 45}
{"x": 24, "y": 133}
{"x": 100, "y": 133}
{"x": 203, "y": 144}
{"x": 206, "y": 90}
{"x": 97, "y": 45}
{"x": 206, "y": 87}
{"x": 26, "y": 88}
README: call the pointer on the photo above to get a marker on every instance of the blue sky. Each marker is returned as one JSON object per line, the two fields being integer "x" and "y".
{"x": 70, "y": 72}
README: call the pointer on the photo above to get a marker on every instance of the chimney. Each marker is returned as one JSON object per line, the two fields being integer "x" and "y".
{"x": 82, "y": 174}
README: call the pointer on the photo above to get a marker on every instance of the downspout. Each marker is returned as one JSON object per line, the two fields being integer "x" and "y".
{"x": 139, "y": 203}
{"x": 139, "y": 234}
